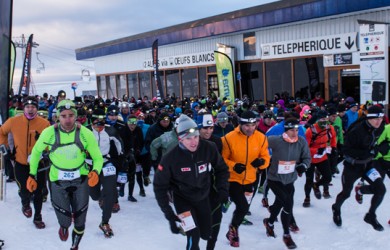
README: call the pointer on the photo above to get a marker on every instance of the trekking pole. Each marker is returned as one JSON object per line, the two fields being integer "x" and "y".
{"x": 3, "y": 151}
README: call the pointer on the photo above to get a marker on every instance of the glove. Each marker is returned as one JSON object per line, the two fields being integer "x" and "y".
{"x": 334, "y": 151}
{"x": 223, "y": 197}
{"x": 258, "y": 162}
{"x": 93, "y": 178}
{"x": 239, "y": 168}
{"x": 320, "y": 151}
{"x": 172, "y": 224}
{"x": 301, "y": 168}
{"x": 383, "y": 148}
{"x": 31, "y": 184}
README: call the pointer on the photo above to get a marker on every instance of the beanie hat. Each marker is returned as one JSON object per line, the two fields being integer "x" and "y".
{"x": 112, "y": 110}
{"x": 341, "y": 108}
{"x": 247, "y": 117}
{"x": 375, "y": 112}
{"x": 222, "y": 117}
{"x": 186, "y": 128}
{"x": 268, "y": 114}
{"x": 66, "y": 105}
{"x": 98, "y": 114}
{"x": 61, "y": 93}
{"x": 164, "y": 116}
{"x": 205, "y": 120}
{"x": 291, "y": 123}
{"x": 30, "y": 100}
{"x": 332, "y": 111}
{"x": 353, "y": 104}
{"x": 322, "y": 114}
{"x": 182, "y": 117}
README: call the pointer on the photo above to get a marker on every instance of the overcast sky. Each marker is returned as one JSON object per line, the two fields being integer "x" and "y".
{"x": 60, "y": 27}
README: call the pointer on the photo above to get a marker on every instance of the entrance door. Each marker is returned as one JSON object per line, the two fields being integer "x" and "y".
{"x": 344, "y": 80}
{"x": 212, "y": 83}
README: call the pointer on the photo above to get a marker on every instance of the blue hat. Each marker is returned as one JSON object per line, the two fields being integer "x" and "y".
{"x": 205, "y": 120}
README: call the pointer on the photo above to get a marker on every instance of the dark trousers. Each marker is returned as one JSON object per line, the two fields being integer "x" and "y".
{"x": 284, "y": 198}
{"x": 326, "y": 176}
{"x": 21, "y": 176}
{"x": 216, "y": 218}
{"x": 237, "y": 195}
{"x": 146, "y": 164}
{"x": 106, "y": 191}
{"x": 353, "y": 172}
{"x": 201, "y": 214}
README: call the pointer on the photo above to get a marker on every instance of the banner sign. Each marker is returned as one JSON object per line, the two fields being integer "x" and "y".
{"x": 24, "y": 87}
{"x": 225, "y": 76}
{"x": 188, "y": 60}
{"x": 333, "y": 44}
{"x": 157, "y": 80}
{"x": 374, "y": 63}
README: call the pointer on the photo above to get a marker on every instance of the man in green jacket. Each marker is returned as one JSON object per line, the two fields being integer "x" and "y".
{"x": 68, "y": 143}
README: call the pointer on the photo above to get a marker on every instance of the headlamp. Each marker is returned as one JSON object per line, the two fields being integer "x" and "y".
{"x": 377, "y": 115}
{"x": 249, "y": 120}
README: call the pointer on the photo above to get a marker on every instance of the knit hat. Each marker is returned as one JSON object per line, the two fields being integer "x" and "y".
{"x": 222, "y": 117}
{"x": 247, "y": 117}
{"x": 61, "y": 93}
{"x": 341, "y": 108}
{"x": 353, "y": 104}
{"x": 321, "y": 114}
{"x": 186, "y": 128}
{"x": 30, "y": 100}
{"x": 182, "y": 117}
{"x": 98, "y": 114}
{"x": 291, "y": 123}
{"x": 205, "y": 120}
{"x": 268, "y": 114}
{"x": 375, "y": 112}
{"x": 112, "y": 110}
{"x": 332, "y": 111}
{"x": 66, "y": 105}
{"x": 164, "y": 116}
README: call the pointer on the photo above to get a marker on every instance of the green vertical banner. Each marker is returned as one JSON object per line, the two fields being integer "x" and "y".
{"x": 225, "y": 75}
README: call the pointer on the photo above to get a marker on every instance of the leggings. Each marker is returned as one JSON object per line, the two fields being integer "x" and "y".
{"x": 326, "y": 176}
{"x": 237, "y": 195}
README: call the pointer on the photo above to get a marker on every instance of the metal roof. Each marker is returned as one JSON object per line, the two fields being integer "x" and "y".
{"x": 261, "y": 16}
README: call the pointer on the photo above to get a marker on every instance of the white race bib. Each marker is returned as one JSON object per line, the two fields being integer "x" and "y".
{"x": 68, "y": 175}
{"x": 286, "y": 167}
{"x": 122, "y": 178}
{"x": 373, "y": 174}
{"x": 109, "y": 170}
{"x": 187, "y": 221}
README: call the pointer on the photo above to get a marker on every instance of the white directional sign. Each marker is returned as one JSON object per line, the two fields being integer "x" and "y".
{"x": 333, "y": 44}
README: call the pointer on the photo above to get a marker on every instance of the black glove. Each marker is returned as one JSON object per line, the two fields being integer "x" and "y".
{"x": 258, "y": 162}
{"x": 320, "y": 151}
{"x": 334, "y": 151}
{"x": 239, "y": 168}
{"x": 223, "y": 197}
{"x": 301, "y": 168}
{"x": 172, "y": 224}
{"x": 383, "y": 148}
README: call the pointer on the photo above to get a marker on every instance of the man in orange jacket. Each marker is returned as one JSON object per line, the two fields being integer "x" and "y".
{"x": 245, "y": 151}
{"x": 26, "y": 130}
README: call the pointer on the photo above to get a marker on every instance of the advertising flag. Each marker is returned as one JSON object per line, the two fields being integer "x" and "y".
{"x": 225, "y": 75}
{"x": 157, "y": 80}
{"x": 24, "y": 87}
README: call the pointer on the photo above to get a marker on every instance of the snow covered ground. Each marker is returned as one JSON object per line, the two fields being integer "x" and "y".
{"x": 142, "y": 226}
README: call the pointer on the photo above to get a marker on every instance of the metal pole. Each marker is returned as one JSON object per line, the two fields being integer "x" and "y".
{"x": 2, "y": 178}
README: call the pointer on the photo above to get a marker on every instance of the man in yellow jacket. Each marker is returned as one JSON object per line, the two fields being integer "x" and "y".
{"x": 245, "y": 151}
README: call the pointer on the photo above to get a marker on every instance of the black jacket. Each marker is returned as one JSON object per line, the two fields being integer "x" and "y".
{"x": 188, "y": 174}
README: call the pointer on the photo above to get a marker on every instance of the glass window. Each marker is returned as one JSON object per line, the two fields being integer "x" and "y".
{"x": 101, "y": 81}
{"x": 190, "y": 82}
{"x": 212, "y": 69}
{"x": 111, "y": 87}
{"x": 252, "y": 80}
{"x": 122, "y": 90}
{"x": 173, "y": 82}
{"x": 278, "y": 77}
{"x": 301, "y": 79}
{"x": 249, "y": 40}
{"x": 309, "y": 77}
{"x": 333, "y": 82}
{"x": 202, "y": 82}
{"x": 145, "y": 86}
{"x": 133, "y": 85}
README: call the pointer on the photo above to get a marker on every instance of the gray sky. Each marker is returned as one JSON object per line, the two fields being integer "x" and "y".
{"x": 60, "y": 27}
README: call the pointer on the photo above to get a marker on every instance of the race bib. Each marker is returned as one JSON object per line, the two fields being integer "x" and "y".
{"x": 68, "y": 175}
{"x": 122, "y": 178}
{"x": 109, "y": 170}
{"x": 248, "y": 197}
{"x": 373, "y": 174}
{"x": 138, "y": 168}
{"x": 187, "y": 221}
{"x": 286, "y": 167}
{"x": 328, "y": 150}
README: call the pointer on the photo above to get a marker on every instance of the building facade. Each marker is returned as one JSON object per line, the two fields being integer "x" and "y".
{"x": 299, "y": 47}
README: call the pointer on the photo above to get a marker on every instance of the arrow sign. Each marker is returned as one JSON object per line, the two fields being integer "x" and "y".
{"x": 350, "y": 43}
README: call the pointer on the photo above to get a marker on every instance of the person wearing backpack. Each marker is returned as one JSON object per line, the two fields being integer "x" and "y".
{"x": 321, "y": 138}
{"x": 68, "y": 143}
